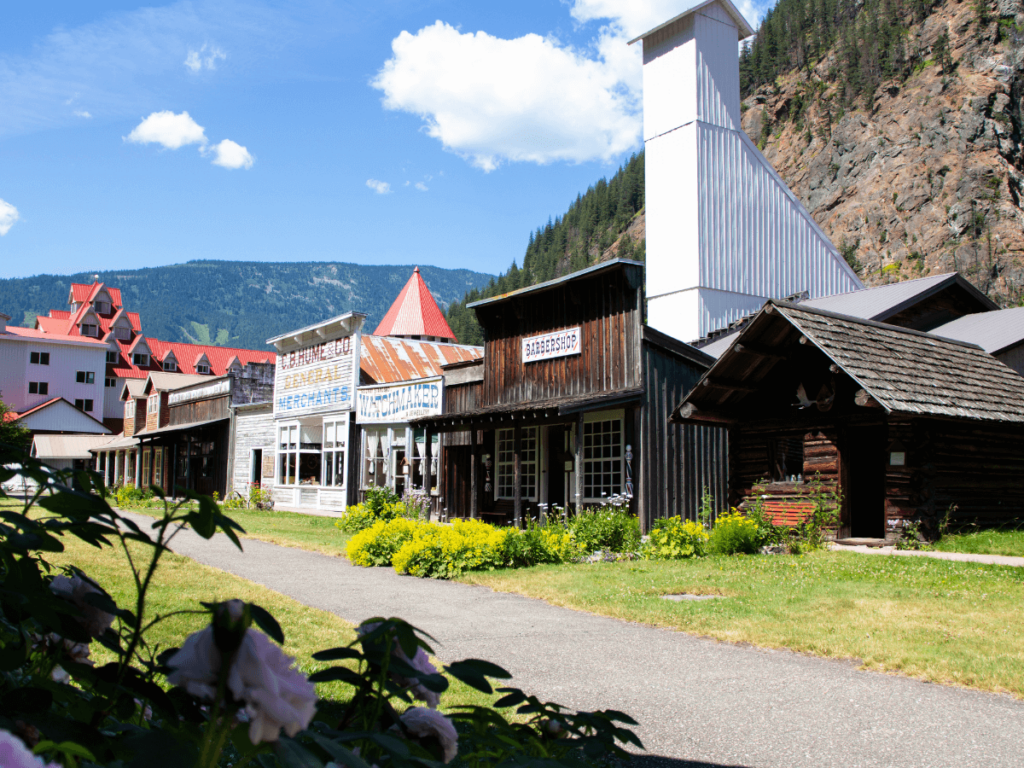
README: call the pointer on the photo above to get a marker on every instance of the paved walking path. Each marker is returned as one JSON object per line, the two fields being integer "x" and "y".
{"x": 963, "y": 557}
{"x": 699, "y": 702}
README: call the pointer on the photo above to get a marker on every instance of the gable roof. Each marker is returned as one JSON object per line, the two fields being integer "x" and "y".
{"x": 164, "y": 380}
{"x": 37, "y": 334}
{"x": 66, "y": 446}
{"x": 604, "y": 266}
{"x": 744, "y": 29}
{"x": 905, "y": 371}
{"x": 59, "y": 403}
{"x": 185, "y": 355}
{"x": 414, "y": 313}
{"x": 385, "y": 359}
{"x": 994, "y": 332}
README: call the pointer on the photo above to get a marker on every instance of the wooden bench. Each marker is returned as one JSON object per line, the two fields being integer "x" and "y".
{"x": 788, "y": 513}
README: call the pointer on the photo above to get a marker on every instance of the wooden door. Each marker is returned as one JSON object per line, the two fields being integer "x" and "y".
{"x": 863, "y": 455}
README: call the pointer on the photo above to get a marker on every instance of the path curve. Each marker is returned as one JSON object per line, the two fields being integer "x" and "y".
{"x": 699, "y": 702}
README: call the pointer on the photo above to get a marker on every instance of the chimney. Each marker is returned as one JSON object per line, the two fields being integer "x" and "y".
{"x": 724, "y": 232}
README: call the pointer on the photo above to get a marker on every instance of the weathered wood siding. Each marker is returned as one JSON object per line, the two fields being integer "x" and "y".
{"x": 459, "y": 399}
{"x": 253, "y": 429}
{"x": 200, "y": 410}
{"x": 607, "y": 307}
{"x": 675, "y": 463}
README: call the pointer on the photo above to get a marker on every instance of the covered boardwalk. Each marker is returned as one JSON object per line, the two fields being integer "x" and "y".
{"x": 906, "y": 426}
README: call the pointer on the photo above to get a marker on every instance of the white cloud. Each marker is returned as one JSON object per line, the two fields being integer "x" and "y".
{"x": 421, "y": 186}
{"x": 82, "y": 113}
{"x": 380, "y": 187}
{"x": 634, "y": 17}
{"x": 169, "y": 130}
{"x": 528, "y": 99}
{"x": 205, "y": 57}
{"x": 8, "y": 216}
{"x": 228, "y": 154}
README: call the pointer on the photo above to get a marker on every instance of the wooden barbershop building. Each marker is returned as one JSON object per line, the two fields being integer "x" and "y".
{"x": 906, "y": 425}
{"x": 570, "y": 406}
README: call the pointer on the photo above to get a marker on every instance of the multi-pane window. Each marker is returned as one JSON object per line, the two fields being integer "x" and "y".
{"x": 83, "y": 405}
{"x": 153, "y": 404}
{"x": 145, "y": 466}
{"x": 122, "y": 333}
{"x": 87, "y": 329}
{"x": 602, "y": 459}
{"x": 375, "y": 452}
{"x": 39, "y": 358}
{"x": 112, "y": 357}
{"x": 110, "y": 383}
{"x": 202, "y": 368}
{"x": 39, "y": 388}
{"x": 334, "y": 452}
{"x": 85, "y": 377}
{"x": 170, "y": 365}
{"x": 102, "y": 307}
{"x": 528, "y": 455}
{"x": 287, "y": 454}
{"x": 158, "y": 467}
{"x": 140, "y": 359}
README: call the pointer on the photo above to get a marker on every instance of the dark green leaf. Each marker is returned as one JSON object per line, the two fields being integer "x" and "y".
{"x": 266, "y": 622}
{"x": 333, "y": 654}
{"x": 294, "y": 755}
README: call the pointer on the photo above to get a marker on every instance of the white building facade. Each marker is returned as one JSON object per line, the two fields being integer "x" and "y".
{"x": 724, "y": 232}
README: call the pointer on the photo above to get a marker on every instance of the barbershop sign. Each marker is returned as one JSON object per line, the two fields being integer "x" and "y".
{"x": 315, "y": 378}
{"x": 550, "y": 345}
{"x": 399, "y": 402}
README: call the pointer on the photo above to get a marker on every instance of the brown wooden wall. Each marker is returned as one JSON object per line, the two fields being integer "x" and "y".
{"x": 460, "y": 398}
{"x": 608, "y": 309}
{"x": 200, "y": 410}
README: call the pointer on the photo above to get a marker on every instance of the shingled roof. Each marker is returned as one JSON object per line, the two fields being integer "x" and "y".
{"x": 415, "y": 313}
{"x": 905, "y": 371}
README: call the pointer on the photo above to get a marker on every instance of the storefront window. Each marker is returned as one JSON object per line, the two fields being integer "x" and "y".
{"x": 507, "y": 467}
{"x": 375, "y": 452}
{"x": 287, "y": 454}
{"x": 602, "y": 459}
{"x": 334, "y": 452}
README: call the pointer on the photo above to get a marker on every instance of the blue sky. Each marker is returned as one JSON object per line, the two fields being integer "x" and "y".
{"x": 392, "y": 132}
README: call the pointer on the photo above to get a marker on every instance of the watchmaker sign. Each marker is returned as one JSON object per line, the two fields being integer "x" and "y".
{"x": 550, "y": 345}
{"x": 399, "y": 402}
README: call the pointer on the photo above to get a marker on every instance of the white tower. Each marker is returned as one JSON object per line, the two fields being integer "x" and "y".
{"x": 724, "y": 232}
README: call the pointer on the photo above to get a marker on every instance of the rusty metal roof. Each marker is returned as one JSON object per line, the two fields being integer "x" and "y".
{"x": 385, "y": 359}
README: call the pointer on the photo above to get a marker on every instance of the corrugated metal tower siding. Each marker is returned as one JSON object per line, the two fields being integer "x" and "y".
{"x": 718, "y": 81}
{"x": 754, "y": 237}
{"x": 676, "y": 463}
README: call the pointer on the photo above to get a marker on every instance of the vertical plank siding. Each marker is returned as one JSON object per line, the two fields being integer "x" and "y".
{"x": 676, "y": 462}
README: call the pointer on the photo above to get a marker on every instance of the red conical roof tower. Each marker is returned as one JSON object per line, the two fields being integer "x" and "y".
{"x": 415, "y": 314}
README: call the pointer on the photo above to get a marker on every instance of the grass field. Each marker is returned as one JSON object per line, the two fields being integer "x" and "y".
{"x": 952, "y": 623}
{"x": 983, "y": 543}
{"x": 288, "y": 529}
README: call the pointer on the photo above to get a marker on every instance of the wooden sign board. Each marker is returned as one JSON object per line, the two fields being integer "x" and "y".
{"x": 268, "y": 466}
{"x": 550, "y": 345}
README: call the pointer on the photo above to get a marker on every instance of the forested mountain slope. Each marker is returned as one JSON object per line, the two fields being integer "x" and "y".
{"x": 238, "y": 303}
{"x": 898, "y": 123}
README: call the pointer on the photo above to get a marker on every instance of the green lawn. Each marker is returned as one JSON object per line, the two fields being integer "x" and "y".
{"x": 289, "y": 529}
{"x": 983, "y": 543}
{"x": 946, "y": 622}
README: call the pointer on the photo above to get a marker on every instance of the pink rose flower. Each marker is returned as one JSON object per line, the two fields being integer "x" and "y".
{"x": 14, "y": 754}
{"x": 276, "y": 696}
{"x": 429, "y": 723}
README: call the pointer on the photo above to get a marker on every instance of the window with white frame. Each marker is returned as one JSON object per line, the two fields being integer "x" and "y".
{"x": 375, "y": 457}
{"x": 202, "y": 368}
{"x": 287, "y": 454}
{"x": 140, "y": 358}
{"x": 112, "y": 357}
{"x": 506, "y": 464}
{"x": 153, "y": 404}
{"x": 602, "y": 459}
{"x": 158, "y": 467}
{"x": 102, "y": 307}
{"x": 110, "y": 383}
{"x": 83, "y": 405}
{"x": 39, "y": 388}
{"x": 85, "y": 377}
{"x": 170, "y": 365}
{"x": 87, "y": 329}
{"x": 145, "y": 467}
{"x": 334, "y": 452}
{"x": 122, "y": 333}
{"x": 39, "y": 358}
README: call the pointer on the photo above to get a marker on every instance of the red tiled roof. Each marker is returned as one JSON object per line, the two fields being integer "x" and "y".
{"x": 60, "y": 314}
{"x": 186, "y": 354}
{"x": 415, "y": 313}
{"x": 385, "y": 359}
{"x": 80, "y": 292}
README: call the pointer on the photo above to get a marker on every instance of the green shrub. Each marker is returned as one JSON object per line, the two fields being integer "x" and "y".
{"x": 379, "y": 504}
{"x": 768, "y": 534}
{"x": 605, "y": 528}
{"x": 378, "y": 543}
{"x": 675, "y": 539}
{"x": 130, "y": 496}
{"x": 538, "y": 545}
{"x": 733, "y": 534}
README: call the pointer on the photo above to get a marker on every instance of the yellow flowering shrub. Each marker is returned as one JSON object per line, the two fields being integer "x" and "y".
{"x": 377, "y": 544}
{"x": 441, "y": 552}
{"x": 673, "y": 538}
{"x": 735, "y": 533}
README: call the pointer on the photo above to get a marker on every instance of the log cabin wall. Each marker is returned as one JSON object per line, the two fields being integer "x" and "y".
{"x": 607, "y": 307}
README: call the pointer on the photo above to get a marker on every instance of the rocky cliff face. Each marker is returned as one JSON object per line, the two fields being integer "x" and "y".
{"x": 931, "y": 177}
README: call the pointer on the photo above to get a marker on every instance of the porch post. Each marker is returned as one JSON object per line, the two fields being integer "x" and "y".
{"x": 517, "y": 444}
{"x": 138, "y": 466}
{"x": 425, "y": 470}
{"x": 578, "y": 463}
{"x": 474, "y": 460}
